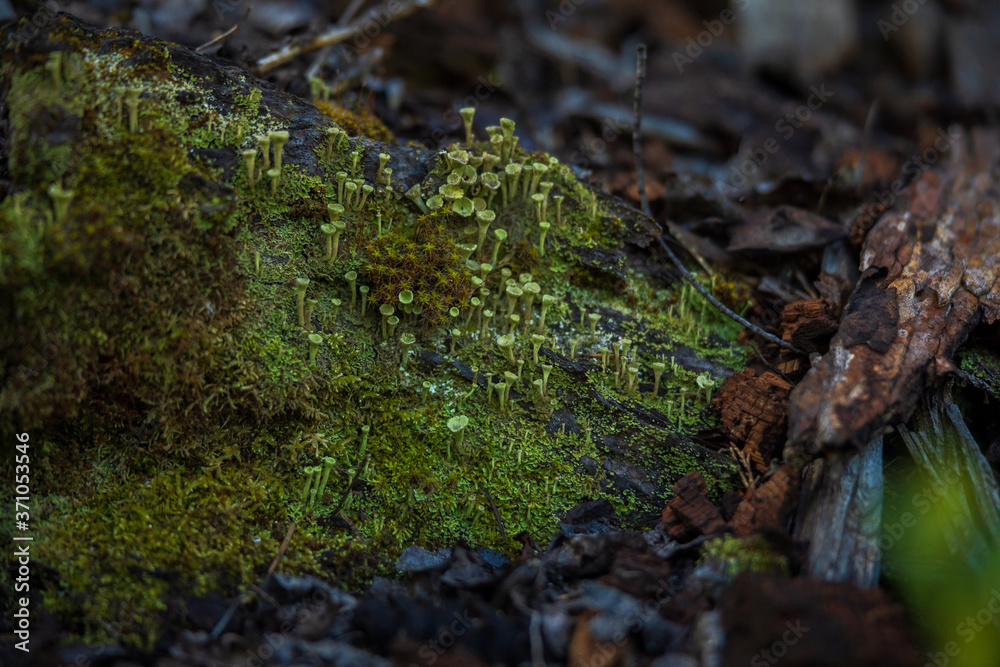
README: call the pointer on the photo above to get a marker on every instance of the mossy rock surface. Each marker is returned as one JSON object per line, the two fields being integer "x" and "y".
{"x": 151, "y": 347}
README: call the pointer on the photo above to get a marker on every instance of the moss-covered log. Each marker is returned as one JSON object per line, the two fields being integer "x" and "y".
{"x": 195, "y": 361}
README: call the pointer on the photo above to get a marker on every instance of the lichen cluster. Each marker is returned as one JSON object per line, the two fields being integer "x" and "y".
{"x": 207, "y": 303}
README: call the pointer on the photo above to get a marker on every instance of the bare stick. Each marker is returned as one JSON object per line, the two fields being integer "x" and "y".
{"x": 347, "y": 15}
{"x": 350, "y": 485}
{"x": 640, "y": 76}
{"x": 353, "y": 527}
{"x": 496, "y": 513}
{"x": 263, "y": 595}
{"x": 224, "y": 37}
{"x": 392, "y": 10}
{"x": 226, "y": 617}
{"x": 281, "y": 549}
{"x": 718, "y": 304}
{"x": 351, "y": 10}
{"x": 866, "y": 142}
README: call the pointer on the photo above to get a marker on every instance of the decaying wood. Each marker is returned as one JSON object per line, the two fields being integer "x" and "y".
{"x": 753, "y": 410}
{"x": 930, "y": 274}
{"x": 769, "y": 506}
{"x": 808, "y": 324}
{"x": 840, "y": 515}
{"x": 690, "y": 513}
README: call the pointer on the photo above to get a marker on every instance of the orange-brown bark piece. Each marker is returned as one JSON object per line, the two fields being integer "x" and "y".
{"x": 931, "y": 272}
{"x": 754, "y": 413}
{"x": 768, "y": 506}
{"x": 690, "y": 513}
{"x": 807, "y": 324}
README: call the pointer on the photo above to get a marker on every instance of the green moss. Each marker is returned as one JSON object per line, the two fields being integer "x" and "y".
{"x": 120, "y": 550}
{"x": 748, "y": 554}
{"x": 178, "y": 395}
{"x": 984, "y": 365}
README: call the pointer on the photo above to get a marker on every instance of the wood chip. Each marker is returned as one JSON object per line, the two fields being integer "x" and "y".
{"x": 690, "y": 513}
{"x": 808, "y": 325}
{"x": 769, "y": 506}
{"x": 754, "y": 413}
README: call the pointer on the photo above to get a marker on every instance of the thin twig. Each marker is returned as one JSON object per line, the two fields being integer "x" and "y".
{"x": 282, "y": 549}
{"x": 769, "y": 364}
{"x": 345, "y": 16}
{"x": 722, "y": 308}
{"x": 226, "y": 617}
{"x": 350, "y": 484}
{"x": 389, "y": 12}
{"x": 224, "y": 620}
{"x": 496, "y": 513}
{"x": 224, "y": 37}
{"x": 746, "y": 465}
{"x": 640, "y": 76}
{"x": 349, "y": 13}
{"x": 353, "y": 527}
{"x": 263, "y": 595}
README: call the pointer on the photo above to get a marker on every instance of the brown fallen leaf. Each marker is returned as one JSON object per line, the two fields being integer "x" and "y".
{"x": 783, "y": 229}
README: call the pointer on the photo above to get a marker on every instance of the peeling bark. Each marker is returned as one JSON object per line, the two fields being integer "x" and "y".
{"x": 930, "y": 275}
